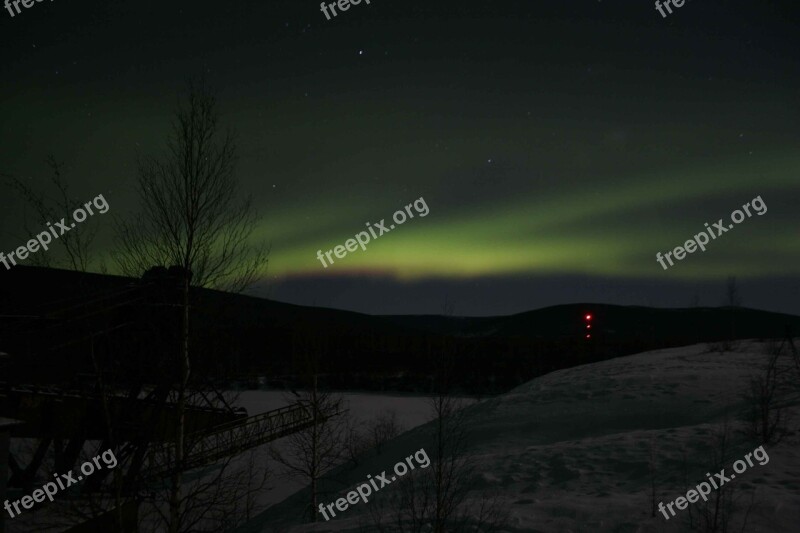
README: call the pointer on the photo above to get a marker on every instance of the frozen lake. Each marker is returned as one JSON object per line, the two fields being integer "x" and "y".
{"x": 411, "y": 410}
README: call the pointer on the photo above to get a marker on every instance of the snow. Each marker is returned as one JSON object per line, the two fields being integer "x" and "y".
{"x": 411, "y": 410}
{"x": 569, "y": 451}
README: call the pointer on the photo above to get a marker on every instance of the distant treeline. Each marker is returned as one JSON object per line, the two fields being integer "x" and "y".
{"x": 65, "y": 327}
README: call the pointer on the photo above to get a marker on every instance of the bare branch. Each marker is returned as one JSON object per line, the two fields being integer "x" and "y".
{"x": 192, "y": 214}
{"x": 78, "y": 243}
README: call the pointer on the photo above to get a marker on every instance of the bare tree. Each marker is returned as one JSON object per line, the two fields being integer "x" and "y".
{"x": 431, "y": 499}
{"x": 192, "y": 217}
{"x": 359, "y": 437}
{"x": 439, "y": 498}
{"x": 76, "y": 244}
{"x": 733, "y": 300}
{"x": 451, "y": 468}
{"x": 732, "y": 296}
{"x": 694, "y": 301}
{"x": 767, "y": 399}
{"x": 191, "y": 212}
{"x": 313, "y": 451}
{"x": 652, "y": 469}
{"x": 724, "y": 510}
{"x": 216, "y": 498}
{"x": 356, "y": 441}
{"x": 309, "y": 453}
{"x": 384, "y": 428}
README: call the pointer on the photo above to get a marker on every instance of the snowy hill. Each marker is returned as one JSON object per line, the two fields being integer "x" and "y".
{"x": 574, "y": 450}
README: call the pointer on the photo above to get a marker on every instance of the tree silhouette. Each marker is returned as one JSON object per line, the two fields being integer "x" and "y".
{"x": 191, "y": 217}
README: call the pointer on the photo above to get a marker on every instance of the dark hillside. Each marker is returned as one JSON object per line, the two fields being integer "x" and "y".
{"x": 48, "y": 315}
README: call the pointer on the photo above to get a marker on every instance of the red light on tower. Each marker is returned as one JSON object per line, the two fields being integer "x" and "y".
{"x": 588, "y": 317}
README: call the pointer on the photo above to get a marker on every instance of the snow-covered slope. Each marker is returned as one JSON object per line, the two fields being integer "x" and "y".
{"x": 571, "y": 451}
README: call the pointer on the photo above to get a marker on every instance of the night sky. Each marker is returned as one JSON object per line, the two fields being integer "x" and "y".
{"x": 558, "y": 145}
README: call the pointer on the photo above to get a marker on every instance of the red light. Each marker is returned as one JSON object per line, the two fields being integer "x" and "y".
{"x": 588, "y": 326}
{"x": 588, "y": 317}
{"x": 588, "y": 336}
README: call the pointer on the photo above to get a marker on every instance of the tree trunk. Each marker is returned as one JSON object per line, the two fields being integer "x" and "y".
{"x": 314, "y": 459}
{"x": 175, "y": 492}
